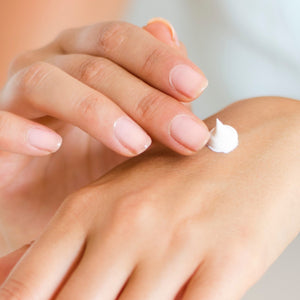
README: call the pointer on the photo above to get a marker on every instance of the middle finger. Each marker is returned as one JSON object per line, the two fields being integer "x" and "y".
{"x": 164, "y": 118}
{"x": 140, "y": 53}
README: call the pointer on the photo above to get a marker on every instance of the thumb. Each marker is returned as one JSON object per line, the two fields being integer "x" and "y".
{"x": 10, "y": 260}
{"x": 165, "y": 32}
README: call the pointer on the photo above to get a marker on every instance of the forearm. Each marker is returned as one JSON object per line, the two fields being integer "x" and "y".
{"x": 29, "y": 24}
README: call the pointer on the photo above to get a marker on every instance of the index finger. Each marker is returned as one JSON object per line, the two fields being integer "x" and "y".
{"x": 140, "y": 53}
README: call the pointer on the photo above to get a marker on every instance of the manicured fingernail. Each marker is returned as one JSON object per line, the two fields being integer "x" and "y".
{"x": 44, "y": 140}
{"x": 131, "y": 136}
{"x": 188, "y": 132}
{"x": 169, "y": 26}
{"x": 187, "y": 81}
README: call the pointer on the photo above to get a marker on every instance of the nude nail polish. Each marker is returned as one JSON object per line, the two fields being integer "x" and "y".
{"x": 131, "y": 136}
{"x": 44, "y": 140}
{"x": 187, "y": 81}
{"x": 187, "y": 132}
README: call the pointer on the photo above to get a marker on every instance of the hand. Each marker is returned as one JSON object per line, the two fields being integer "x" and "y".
{"x": 116, "y": 82}
{"x": 163, "y": 226}
{"x": 49, "y": 94}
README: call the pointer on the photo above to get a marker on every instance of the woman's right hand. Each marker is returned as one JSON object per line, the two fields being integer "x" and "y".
{"x": 44, "y": 87}
{"x": 116, "y": 82}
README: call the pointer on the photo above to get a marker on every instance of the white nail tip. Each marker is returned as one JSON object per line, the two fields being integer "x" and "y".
{"x": 224, "y": 138}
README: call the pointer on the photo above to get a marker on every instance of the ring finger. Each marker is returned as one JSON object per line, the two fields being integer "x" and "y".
{"x": 43, "y": 89}
{"x": 164, "y": 118}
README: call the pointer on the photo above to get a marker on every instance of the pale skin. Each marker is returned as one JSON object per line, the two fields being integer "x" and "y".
{"x": 208, "y": 230}
{"x": 85, "y": 93}
{"x": 180, "y": 235}
{"x": 96, "y": 114}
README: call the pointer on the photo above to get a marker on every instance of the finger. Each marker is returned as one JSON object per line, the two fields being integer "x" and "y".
{"x": 22, "y": 136}
{"x": 9, "y": 261}
{"x": 164, "y": 31}
{"x": 217, "y": 280}
{"x": 163, "y": 274}
{"x": 44, "y": 267}
{"x": 141, "y": 54}
{"x": 164, "y": 118}
{"x": 103, "y": 270}
{"x": 43, "y": 89}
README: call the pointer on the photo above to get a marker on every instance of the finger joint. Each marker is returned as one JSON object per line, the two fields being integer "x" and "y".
{"x": 148, "y": 107}
{"x": 91, "y": 69}
{"x": 152, "y": 58}
{"x": 111, "y": 36}
{"x": 33, "y": 76}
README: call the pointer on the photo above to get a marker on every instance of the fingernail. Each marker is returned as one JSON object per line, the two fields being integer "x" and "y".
{"x": 187, "y": 81}
{"x": 44, "y": 140}
{"x": 188, "y": 132}
{"x": 131, "y": 136}
{"x": 169, "y": 26}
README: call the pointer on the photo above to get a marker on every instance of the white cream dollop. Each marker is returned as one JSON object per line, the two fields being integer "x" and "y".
{"x": 224, "y": 138}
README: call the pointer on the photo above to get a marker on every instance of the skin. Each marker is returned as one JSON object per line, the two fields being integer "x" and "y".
{"x": 82, "y": 66}
{"x": 196, "y": 229}
{"x": 136, "y": 238}
{"x": 50, "y": 178}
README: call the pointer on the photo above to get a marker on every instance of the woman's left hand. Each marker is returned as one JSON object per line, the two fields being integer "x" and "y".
{"x": 163, "y": 226}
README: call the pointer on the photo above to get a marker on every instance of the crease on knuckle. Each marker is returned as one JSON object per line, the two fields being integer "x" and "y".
{"x": 156, "y": 55}
{"x": 149, "y": 106}
{"x": 15, "y": 290}
{"x": 111, "y": 36}
{"x": 91, "y": 69}
{"x": 33, "y": 75}
{"x": 87, "y": 106}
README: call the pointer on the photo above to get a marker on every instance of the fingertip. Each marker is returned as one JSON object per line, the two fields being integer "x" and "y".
{"x": 189, "y": 133}
{"x": 163, "y": 30}
{"x": 131, "y": 137}
{"x": 43, "y": 141}
{"x": 187, "y": 81}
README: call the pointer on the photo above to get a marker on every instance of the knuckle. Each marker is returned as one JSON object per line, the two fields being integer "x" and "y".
{"x": 79, "y": 209}
{"x": 91, "y": 69}
{"x": 87, "y": 106}
{"x": 15, "y": 290}
{"x": 133, "y": 212}
{"x": 152, "y": 58}
{"x": 33, "y": 76}
{"x": 150, "y": 105}
{"x": 111, "y": 35}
